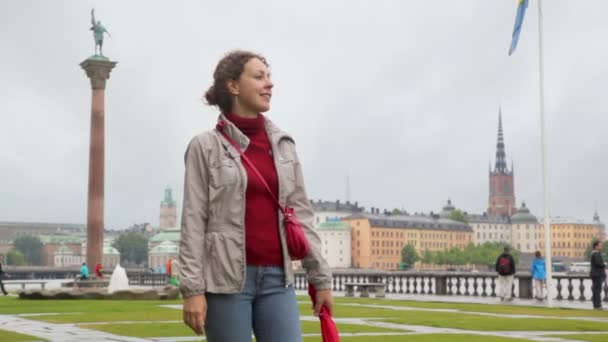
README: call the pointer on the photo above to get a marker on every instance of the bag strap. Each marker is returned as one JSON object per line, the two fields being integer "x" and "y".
{"x": 220, "y": 128}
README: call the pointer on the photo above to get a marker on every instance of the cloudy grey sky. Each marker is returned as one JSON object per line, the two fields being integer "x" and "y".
{"x": 402, "y": 96}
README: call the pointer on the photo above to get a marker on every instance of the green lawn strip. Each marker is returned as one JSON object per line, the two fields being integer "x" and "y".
{"x": 473, "y": 307}
{"x": 489, "y": 323}
{"x": 16, "y": 337}
{"x": 584, "y": 337}
{"x": 309, "y": 327}
{"x": 162, "y": 329}
{"x": 424, "y": 338}
{"x": 13, "y": 305}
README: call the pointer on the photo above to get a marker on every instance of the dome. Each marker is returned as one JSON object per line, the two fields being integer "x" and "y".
{"x": 523, "y": 215}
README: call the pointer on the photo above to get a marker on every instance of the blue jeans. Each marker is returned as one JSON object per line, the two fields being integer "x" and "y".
{"x": 265, "y": 306}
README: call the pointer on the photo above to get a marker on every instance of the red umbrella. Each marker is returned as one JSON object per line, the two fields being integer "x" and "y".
{"x": 329, "y": 331}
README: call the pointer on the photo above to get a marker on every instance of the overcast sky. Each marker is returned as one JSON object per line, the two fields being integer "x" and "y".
{"x": 401, "y": 96}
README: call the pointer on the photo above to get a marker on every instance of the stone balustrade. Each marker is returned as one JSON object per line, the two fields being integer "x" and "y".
{"x": 482, "y": 284}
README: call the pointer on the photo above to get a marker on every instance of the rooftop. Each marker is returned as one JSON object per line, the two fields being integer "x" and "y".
{"x": 165, "y": 247}
{"x": 336, "y": 206}
{"x": 409, "y": 221}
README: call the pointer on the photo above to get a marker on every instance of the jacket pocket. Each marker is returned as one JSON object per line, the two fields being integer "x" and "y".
{"x": 224, "y": 260}
{"x": 223, "y": 172}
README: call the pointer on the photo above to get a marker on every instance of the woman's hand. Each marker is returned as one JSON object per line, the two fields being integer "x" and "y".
{"x": 195, "y": 313}
{"x": 324, "y": 297}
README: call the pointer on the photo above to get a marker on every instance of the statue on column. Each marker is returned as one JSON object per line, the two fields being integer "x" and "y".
{"x": 98, "y": 31}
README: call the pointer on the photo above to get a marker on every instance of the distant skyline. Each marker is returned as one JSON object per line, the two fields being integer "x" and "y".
{"x": 399, "y": 99}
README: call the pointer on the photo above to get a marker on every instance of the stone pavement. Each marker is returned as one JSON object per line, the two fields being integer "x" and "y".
{"x": 59, "y": 332}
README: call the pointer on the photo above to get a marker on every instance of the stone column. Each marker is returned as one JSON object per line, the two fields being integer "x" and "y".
{"x": 98, "y": 70}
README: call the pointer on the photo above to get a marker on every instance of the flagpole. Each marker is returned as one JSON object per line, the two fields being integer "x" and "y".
{"x": 547, "y": 224}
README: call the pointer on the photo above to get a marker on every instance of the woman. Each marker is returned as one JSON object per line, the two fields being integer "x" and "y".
{"x": 539, "y": 275}
{"x": 236, "y": 274}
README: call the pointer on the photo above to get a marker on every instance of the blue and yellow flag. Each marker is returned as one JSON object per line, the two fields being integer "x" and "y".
{"x": 519, "y": 20}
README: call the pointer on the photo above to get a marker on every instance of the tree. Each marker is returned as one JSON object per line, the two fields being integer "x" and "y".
{"x": 15, "y": 258}
{"x": 427, "y": 257}
{"x": 589, "y": 249}
{"x": 30, "y": 247}
{"x": 133, "y": 247}
{"x": 458, "y": 215}
{"x": 409, "y": 256}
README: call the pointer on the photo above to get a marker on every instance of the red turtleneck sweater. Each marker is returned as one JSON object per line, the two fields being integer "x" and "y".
{"x": 262, "y": 241}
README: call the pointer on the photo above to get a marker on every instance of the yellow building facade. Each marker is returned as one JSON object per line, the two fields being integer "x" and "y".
{"x": 377, "y": 240}
{"x": 570, "y": 237}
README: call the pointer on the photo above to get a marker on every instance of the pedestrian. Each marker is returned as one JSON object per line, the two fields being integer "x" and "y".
{"x": 539, "y": 275}
{"x": 2, "y": 275}
{"x": 505, "y": 266}
{"x": 98, "y": 271}
{"x": 235, "y": 263}
{"x": 84, "y": 271}
{"x": 598, "y": 275}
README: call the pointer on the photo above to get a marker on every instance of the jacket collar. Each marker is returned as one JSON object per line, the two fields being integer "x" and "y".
{"x": 275, "y": 135}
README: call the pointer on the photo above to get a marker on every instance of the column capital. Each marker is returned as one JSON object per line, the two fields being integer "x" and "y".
{"x": 98, "y": 70}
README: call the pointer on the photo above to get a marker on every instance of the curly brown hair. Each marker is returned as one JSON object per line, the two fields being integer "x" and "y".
{"x": 230, "y": 67}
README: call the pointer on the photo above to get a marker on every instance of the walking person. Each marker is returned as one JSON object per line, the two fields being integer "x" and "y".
{"x": 235, "y": 266}
{"x": 505, "y": 266}
{"x": 598, "y": 275}
{"x": 2, "y": 274}
{"x": 539, "y": 276}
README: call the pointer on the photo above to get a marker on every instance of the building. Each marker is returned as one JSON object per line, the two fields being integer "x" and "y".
{"x": 64, "y": 256}
{"x": 325, "y": 211}
{"x": 486, "y": 228}
{"x": 525, "y": 231}
{"x": 54, "y": 244}
{"x": 336, "y": 243}
{"x": 12, "y": 230}
{"x": 378, "y": 239}
{"x": 159, "y": 255}
{"x": 570, "y": 237}
{"x": 501, "y": 201}
{"x": 168, "y": 211}
{"x": 172, "y": 235}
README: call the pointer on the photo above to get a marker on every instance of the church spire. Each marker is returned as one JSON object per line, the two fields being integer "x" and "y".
{"x": 501, "y": 157}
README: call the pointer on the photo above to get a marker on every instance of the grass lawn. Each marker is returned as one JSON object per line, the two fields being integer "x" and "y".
{"x": 424, "y": 338}
{"x": 485, "y": 323}
{"x": 15, "y": 337}
{"x": 96, "y": 310}
{"x": 148, "y": 319}
{"x": 472, "y": 307}
{"x": 179, "y": 329}
{"x": 585, "y": 337}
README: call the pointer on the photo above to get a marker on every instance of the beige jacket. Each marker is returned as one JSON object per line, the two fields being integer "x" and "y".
{"x": 212, "y": 248}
